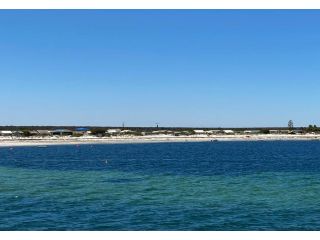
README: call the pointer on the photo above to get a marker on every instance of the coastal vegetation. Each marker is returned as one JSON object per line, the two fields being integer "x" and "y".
{"x": 313, "y": 128}
{"x": 75, "y": 131}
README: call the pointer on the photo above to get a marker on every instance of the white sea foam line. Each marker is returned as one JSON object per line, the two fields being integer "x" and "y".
{"x": 160, "y": 4}
{"x": 172, "y": 235}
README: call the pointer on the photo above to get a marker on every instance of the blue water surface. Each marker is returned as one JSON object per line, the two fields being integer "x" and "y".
{"x": 262, "y": 185}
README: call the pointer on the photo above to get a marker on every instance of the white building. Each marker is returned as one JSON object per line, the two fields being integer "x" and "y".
{"x": 159, "y": 132}
{"x": 127, "y": 131}
{"x": 6, "y": 133}
{"x": 44, "y": 132}
{"x": 199, "y": 131}
{"x": 284, "y": 131}
{"x": 228, "y": 131}
{"x": 274, "y": 131}
{"x": 251, "y": 131}
{"x": 213, "y": 132}
{"x": 113, "y": 131}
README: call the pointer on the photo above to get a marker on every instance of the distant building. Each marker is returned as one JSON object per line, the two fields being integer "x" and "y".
{"x": 159, "y": 132}
{"x": 186, "y": 133}
{"x": 284, "y": 131}
{"x": 6, "y": 133}
{"x": 44, "y": 133}
{"x": 177, "y": 133}
{"x": 251, "y": 131}
{"x": 297, "y": 131}
{"x": 113, "y": 131}
{"x": 18, "y": 133}
{"x": 228, "y": 131}
{"x": 127, "y": 131}
{"x": 62, "y": 132}
{"x": 199, "y": 131}
{"x": 274, "y": 131}
{"x": 214, "y": 132}
{"x": 33, "y": 133}
{"x": 81, "y": 131}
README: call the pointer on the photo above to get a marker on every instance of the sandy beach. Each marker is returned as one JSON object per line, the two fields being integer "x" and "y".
{"x": 41, "y": 141}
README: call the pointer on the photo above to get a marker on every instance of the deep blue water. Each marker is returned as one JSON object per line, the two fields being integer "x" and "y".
{"x": 162, "y": 186}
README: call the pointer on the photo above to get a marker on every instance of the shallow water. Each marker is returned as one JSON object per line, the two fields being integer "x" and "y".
{"x": 162, "y": 186}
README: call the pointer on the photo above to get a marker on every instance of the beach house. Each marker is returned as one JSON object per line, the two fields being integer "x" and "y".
{"x": 6, "y": 133}
{"x": 44, "y": 133}
{"x": 62, "y": 132}
{"x": 214, "y": 132}
{"x": 18, "y": 133}
{"x": 297, "y": 131}
{"x": 158, "y": 132}
{"x": 284, "y": 131}
{"x": 228, "y": 131}
{"x": 251, "y": 131}
{"x": 124, "y": 132}
{"x": 274, "y": 131}
{"x": 199, "y": 131}
{"x": 113, "y": 131}
{"x": 33, "y": 133}
{"x": 81, "y": 131}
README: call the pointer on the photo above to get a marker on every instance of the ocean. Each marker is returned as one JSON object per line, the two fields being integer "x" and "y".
{"x": 262, "y": 185}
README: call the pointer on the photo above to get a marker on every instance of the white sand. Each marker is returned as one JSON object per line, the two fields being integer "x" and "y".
{"x": 38, "y": 141}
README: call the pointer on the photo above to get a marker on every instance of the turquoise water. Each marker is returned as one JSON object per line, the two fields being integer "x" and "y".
{"x": 163, "y": 186}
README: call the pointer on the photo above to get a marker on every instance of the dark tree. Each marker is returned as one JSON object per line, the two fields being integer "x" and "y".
{"x": 290, "y": 124}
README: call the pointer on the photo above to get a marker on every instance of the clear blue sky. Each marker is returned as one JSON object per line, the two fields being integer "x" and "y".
{"x": 178, "y": 68}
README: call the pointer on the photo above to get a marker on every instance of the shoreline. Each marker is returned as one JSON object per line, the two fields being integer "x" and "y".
{"x": 44, "y": 141}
